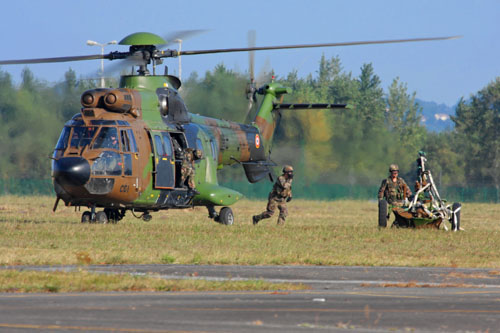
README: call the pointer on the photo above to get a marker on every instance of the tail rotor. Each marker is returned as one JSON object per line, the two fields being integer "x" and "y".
{"x": 251, "y": 88}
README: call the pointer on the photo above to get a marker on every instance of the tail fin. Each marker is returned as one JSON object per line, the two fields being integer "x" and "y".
{"x": 268, "y": 117}
{"x": 267, "y": 120}
{"x": 269, "y": 113}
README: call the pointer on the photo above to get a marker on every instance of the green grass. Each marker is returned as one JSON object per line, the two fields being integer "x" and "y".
{"x": 83, "y": 281}
{"x": 316, "y": 233}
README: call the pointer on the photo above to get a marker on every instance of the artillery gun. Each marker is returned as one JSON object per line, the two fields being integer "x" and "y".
{"x": 426, "y": 209}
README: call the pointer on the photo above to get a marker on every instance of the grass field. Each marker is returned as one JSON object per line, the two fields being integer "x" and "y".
{"x": 83, "y": 281}
{"x": 316, "y": 233}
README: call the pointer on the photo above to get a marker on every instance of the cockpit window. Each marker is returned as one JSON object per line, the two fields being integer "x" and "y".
{"x": 125, "y": 141}
{"x": 107, "y": 138}
{"x": 82, "y": 136}
{"x": 128, "y": 141}
{"x": 76, "y": 120}
{"x": 133, "y": 144}
{"x": 62, "y": 143}
{"x": 109, "y": 163}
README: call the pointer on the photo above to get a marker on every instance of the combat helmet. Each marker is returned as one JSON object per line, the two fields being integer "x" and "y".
{"x": 198, "y": 153}
{"x": 393, "y": 167}
{"x": 287, "y": 168}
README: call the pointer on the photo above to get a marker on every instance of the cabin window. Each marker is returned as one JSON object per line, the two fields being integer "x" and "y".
{"x": 167, "y": 145}
{"x": 82, "y": 136}
{"x": 62, "y": 143}
{"x": 214, "y": 151}
{"x": 159, "y": 146}
{"x": 127, "y": 165}
{"x": 107, "y": 138}
{"x": 109, "y": 163}
{"x": 199, "y": 145}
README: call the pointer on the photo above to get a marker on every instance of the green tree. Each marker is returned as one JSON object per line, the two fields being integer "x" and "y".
{"x": 219, "y": 94}
{"x": 477, "y": 125}
{"x": 403, "y": 119}
{"x": 29, "y": 127}
{"x": 69, "y": 94}
{"x": 445, "y": 160}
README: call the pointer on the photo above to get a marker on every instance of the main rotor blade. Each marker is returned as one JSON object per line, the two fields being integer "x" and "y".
{"x": 57, "y": 59}
{"x": 300, "y": 46}
{"x": 109, "y": 56}
{"x": 182, "y": 35}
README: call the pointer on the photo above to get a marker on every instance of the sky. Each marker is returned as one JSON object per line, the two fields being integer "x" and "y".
{"x": 439, "y": 71}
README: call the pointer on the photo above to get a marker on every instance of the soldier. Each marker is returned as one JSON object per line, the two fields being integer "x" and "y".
{"x": 394, "y": 188}
{"x": 187, "y": 170}
{"x": 279, "y": 196}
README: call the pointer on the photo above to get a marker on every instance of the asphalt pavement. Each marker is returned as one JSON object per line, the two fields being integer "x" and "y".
{"x": 354, "y": 299}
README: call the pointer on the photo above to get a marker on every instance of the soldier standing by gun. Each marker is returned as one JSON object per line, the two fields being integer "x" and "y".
{"x": 394, "y": 188}
{"x": 279, "y": 196}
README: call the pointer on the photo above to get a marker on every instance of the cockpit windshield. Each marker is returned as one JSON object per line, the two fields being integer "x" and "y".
{"x": 107, "y": 138}
{"x": 82, "y": 136}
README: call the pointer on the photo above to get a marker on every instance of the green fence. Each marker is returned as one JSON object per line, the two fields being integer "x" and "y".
{"x": 300, "y": 190}
{"x": 26, "y": 186}
{"x": 361, "y": 192}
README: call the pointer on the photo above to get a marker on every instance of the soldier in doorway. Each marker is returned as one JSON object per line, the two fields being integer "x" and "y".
{"x": 279, "y": 196}
{"x": 187, "y": 170}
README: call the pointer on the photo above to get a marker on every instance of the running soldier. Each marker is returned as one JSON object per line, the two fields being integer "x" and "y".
{"x": 393, "y": 188}
{"x": 279, "y": 196}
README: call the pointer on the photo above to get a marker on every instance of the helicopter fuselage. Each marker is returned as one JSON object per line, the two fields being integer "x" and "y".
{"x": 119, "y": 152}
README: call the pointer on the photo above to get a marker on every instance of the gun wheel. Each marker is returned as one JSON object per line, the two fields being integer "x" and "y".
{"x": 455, "y": 216}
{"x": 382, "y": 213}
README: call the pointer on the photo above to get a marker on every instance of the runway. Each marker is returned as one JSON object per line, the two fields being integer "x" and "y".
{"x": 350, "y": 299}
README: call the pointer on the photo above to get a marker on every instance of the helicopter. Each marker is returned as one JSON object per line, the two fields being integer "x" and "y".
{"x": 122, "y": 151}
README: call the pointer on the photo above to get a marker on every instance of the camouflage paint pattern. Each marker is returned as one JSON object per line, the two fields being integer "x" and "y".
{"x": 223, "y": 142}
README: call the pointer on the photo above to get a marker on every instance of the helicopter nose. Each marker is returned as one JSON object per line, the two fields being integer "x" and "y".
{"x": 73, "y": 171}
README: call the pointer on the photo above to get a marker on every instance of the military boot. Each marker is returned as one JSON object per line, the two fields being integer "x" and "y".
{"x": 255, "y": 219}
{"x": 281, "y": 221}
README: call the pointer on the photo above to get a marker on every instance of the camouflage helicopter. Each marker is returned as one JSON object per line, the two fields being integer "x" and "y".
{"x": 123, "y": 149}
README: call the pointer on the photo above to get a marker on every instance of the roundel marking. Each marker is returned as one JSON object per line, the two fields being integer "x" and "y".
{"x": 257, "y": 141}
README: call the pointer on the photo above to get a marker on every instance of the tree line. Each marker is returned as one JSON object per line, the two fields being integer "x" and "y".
{"x": 349, "y": 147}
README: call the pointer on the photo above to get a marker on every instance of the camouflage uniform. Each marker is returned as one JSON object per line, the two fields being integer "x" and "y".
{"x": 187, "y": 169}
{"x": 279, "y": 196}
{"x": 394, "y": 192}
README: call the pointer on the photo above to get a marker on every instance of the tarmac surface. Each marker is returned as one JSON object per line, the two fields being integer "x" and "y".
{"x": 354, "y": 299}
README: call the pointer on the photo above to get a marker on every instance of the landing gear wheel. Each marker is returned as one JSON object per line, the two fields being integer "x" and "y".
{"x": 226, "y": 216}
{"x": 86, "y": 217}
{"x": 101, "y": 217}
{"x": 455, "y": 217}
{"x": 114, "y": 215}
{"x": 382, "y": 213}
